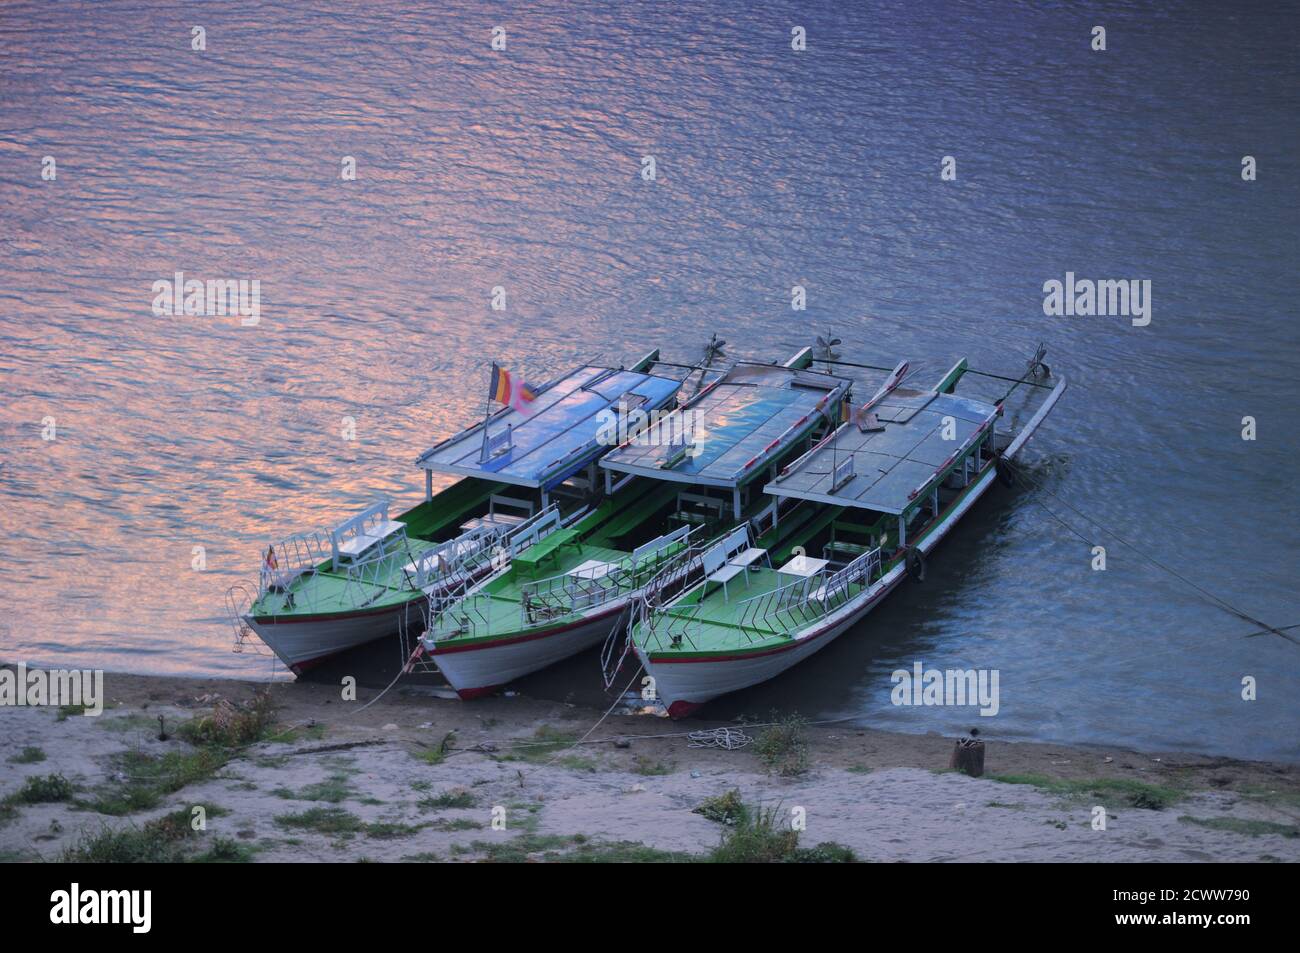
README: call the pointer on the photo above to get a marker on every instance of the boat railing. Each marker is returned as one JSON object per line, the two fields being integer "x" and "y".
{"x": 659, "y": 616}
{"x": 794, "y": 606}
{"x": 291, "y": 557}
{"x": 456, "y": 605}
{"x": 584, "y": 588}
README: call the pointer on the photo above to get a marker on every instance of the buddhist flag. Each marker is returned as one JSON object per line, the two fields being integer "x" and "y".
{"x": 506, "y": 388}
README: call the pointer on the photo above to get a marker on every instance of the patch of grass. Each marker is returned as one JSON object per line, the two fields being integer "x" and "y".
{"x": 1133, "y": 793}
{"x": 67, "y": 711}
{"x": 454, "y": 824}
{"x": 424, "y": 857}
{"x": 1240, "y": 825}
{"x": 643, "y": 765}
{"x": 215, "y": 737}
{"x": 323, "y": 820}
{"x": 131, "y": 722}
{"x": 224, "y": 850}
{"x": 1270, "y": 795}
{"x": 726, "y": 808}
{"x": 546, "y": 741}
{"x": 312, "y": 732}
{"x": 149, "y": 778}
{"x": 1010, "y": 807}
{"x": 621, "y": 852}
{"x": 231, "y": 726}
{"x": 335, "y": 789}
{"x": 43, "y": 789}
{"x": 438, "y": 754}
{"x": 160, "y": 841}
{"x": 29, "y": 755}
{"x": 762, "y": 838}
{"x": 859, "y": 769}
{"x": 759, "y": 839}
{"x": 387, "y": 830}
{"x": 455, "y": 798}
{"x": 517, "y": 849}
{"x": 783, "y": 747}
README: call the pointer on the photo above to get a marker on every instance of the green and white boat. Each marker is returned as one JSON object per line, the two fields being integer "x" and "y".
{"x": 324, "y": 592}
{"x": 887, "y": 486}
{"x": 674, "y": 479}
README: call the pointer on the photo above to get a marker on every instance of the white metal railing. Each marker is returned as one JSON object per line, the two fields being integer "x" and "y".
{"x": 802, "y": 602}
{"x": 573, "y": 591}
{"x": 651, "y": 612}
{"x": 456, "y": 603}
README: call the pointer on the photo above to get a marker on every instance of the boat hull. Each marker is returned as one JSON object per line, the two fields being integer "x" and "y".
{"x": 302, "y": 644}
{"x": 684, "y": 684}
{"x": 474, "y": 670}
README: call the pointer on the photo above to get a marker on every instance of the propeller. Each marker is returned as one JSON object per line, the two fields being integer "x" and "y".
{"x": 1037, "y": 368}
{"x": 825, "y": 350}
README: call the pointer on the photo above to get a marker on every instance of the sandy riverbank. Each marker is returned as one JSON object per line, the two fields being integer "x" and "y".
{"x": 377, "y": 785}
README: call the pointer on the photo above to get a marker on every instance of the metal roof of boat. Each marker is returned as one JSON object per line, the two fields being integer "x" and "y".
{"x": 558, "y": 436}
{"x": 893, "y": 466}
{"x": 741, "y": 420}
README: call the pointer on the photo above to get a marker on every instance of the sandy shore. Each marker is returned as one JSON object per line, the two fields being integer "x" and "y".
{"x": 347, "y": 785}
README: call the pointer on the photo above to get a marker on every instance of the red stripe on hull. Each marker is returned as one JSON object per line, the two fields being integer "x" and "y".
{"x": 469, "y": 694}
{"x": 680, "y": 709}
{"x": 545, "y": 633}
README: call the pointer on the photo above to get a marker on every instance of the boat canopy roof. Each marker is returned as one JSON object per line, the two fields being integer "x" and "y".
{"x": 557, "y": 437}
{"x": 738, "y": 423}
{"x": 893, "y": 466}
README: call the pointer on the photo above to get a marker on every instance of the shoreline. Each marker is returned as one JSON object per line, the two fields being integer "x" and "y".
{"x": 421, "y": 777}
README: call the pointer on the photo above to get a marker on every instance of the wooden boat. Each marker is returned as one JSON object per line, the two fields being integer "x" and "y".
{"x": 663, "y": 490}
{"x": 324, "y": 592}
{"x": 889, "y": 484}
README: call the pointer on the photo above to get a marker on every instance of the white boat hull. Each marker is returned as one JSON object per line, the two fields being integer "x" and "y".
{"x": 685, "y": 685}
{"x": 479, "y": 669}
{"x": 302, "y": 644}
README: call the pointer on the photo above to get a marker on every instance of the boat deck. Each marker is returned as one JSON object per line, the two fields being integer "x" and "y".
{"x": 709, "y": 619}
{"x": 496, "y": 609}
{"x": 318, "y": 591}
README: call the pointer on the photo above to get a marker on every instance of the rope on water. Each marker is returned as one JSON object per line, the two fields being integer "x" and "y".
{"x": 728, "y": 739}
{"x": 1020, "y": 474}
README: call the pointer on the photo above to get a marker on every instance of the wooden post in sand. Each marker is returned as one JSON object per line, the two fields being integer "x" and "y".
{"x": 968, "y": 757}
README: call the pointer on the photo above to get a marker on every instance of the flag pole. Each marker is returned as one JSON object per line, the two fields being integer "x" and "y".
{"x": 487, "y": 415}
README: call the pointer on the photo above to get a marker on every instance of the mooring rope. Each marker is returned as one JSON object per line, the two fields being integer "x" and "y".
{"x": 728, "y": 739}
{"x": 1019, "y": 473}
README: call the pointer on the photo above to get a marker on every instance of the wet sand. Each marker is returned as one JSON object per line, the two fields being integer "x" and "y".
{"x": 494, "y": 794}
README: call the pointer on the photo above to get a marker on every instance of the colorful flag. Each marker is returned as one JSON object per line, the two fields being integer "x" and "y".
{"x": 509, "y": 389}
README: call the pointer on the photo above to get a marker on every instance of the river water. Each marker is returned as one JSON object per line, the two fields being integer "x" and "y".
{"x": 523, "y": 169}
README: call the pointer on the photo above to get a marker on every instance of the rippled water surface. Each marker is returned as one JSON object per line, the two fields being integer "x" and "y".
{"x": 522, "y": 169}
